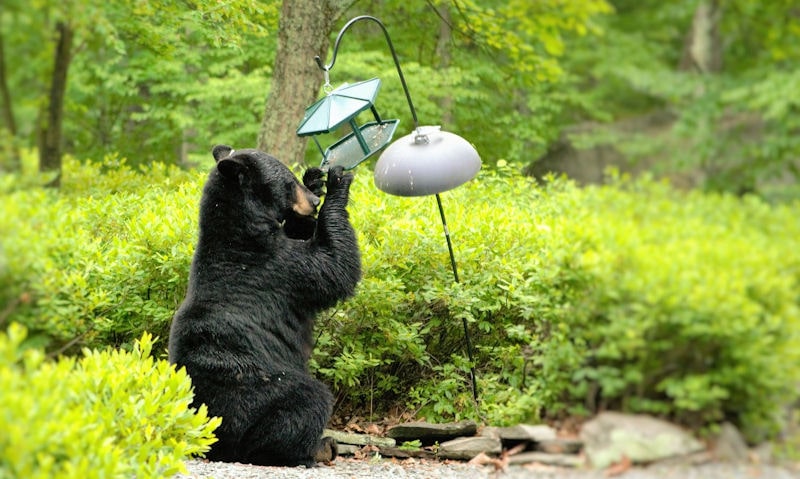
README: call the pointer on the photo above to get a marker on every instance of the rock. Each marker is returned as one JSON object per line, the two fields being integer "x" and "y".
{"x": 468, "y": 447}
{"x": 521, "y": 433}
{"x": 729, "y": 445}
{"x": 359, "y": 439}
{"x": 428, "y": 433}
{"x": 347, "y": 449}
{"x": 693, "y": 459}
{"x": 559, "y": 460}
{"x": 560, "y": 446}
{"x": 610, "y": 436}
{"x": 401, "y": 453}
{"x": 762, "y": 454}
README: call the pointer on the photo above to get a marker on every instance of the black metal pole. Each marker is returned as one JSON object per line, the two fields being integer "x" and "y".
{"x": 326, "y": 69}
{"x": 463, "y": 320}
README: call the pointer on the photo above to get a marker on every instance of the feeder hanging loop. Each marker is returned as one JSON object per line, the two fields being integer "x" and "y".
{"x": 327, "y": 87}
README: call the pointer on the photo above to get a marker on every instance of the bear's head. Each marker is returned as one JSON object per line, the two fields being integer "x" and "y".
{"x": 264, "y": 186}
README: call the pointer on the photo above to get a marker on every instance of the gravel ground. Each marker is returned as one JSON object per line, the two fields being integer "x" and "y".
{"x": 413, "y": 469}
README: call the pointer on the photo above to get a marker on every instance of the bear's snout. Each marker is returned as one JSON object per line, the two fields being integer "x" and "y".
{"x": 306, "y": 203}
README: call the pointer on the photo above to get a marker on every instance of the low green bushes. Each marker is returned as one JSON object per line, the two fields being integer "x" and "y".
{"x": 630, "y": 296}
{"x": 105, "y": 414}
{"x": 104, "y": 259}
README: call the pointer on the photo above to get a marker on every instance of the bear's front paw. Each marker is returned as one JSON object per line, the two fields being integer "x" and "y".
{"x": 338, "y": 179}
{"x": 313, "y": 180}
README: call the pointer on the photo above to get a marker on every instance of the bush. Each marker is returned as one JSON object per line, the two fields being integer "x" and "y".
{"x": 104, "y": 259}
{"x": 631, "y": 296}
{"x": 106, "y": 414}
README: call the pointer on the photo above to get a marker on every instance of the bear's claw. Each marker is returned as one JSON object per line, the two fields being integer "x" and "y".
{"x": 312, "y": 179}
{"x": 338, "y": 178}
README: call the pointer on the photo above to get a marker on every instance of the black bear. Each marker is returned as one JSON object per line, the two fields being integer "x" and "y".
{"x": 263, "y": 268}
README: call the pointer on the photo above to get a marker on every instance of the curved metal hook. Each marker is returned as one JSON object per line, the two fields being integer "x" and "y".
{"x": 326, "y": 68}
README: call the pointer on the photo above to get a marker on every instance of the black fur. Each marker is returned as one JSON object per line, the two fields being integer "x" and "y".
{"x": 244, "y": 331}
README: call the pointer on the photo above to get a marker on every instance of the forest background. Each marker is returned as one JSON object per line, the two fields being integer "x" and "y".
{"x": 164, "y": 81}
{"x": 678, "y": 299}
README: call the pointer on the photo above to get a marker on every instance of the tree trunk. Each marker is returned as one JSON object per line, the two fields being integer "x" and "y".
{"x": 8, "y": 111}
{"x": 304, "y": 30}
{"x": 50, "y": 133}
{"x": 443, "y": 53}
{"x": 703, "y": 48}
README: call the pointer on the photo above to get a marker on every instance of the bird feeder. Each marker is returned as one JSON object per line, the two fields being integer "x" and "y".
{"x": 427, "y": 161}
{"x": 339, "y": 107}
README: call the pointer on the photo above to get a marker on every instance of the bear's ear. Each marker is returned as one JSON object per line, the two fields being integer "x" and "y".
{"x": 231, "y": 168}
{"x": 221, "y": 151}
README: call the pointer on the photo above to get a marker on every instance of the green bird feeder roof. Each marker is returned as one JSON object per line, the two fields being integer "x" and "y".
{"x": 338, "y": 107}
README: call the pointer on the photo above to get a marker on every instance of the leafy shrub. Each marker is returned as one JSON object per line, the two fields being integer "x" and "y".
{"x": 106, "y": 414}
{"x": 104, "y": 259}
{"x": 630, "y": 296}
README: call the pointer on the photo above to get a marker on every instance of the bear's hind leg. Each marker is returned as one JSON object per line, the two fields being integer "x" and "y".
{"x": 289, "y": 430}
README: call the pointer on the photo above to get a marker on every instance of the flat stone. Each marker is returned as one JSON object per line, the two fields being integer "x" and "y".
{"x": 359, "y": 439}
{"x": 466, "y": 448}
{"x": 730, "y": 445}
{"x": 642, "y": 439}
{"x": 428, "y": 433}
{"x": 560, "y": 446}
{"x": 521, "y": 433}
{"x": 401, "y": 453}
{"x": 347, "y": 449}
{"x": 763, "y": 453}
{"x": 560, "y": 460}
{"x": 693, "y": 459}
